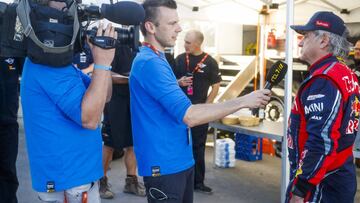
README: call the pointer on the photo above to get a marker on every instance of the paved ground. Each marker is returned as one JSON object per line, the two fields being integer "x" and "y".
{"x": 248, "y": 182}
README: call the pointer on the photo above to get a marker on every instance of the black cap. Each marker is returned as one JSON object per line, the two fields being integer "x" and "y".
{"x": 323, "y": 20}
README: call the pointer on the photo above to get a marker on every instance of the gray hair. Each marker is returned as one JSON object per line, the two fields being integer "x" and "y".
{"x": 338, "y": 45}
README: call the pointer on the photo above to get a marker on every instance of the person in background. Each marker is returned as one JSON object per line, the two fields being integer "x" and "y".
{"x": 356, "y": 65}
{"x": 10, "y": 69}
{"x": 356, "y": 68}
{"x": 324, "y": 117}
{"x": 162, "y": 115}
{"x": 116, "y": 131}
{"x": 197, "y": 71}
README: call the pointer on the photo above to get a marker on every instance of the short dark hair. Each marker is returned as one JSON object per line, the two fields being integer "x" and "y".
{"x": 150, "y": 7}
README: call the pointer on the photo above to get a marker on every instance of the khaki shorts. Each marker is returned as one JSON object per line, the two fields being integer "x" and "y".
{"x": 73, "y": 195}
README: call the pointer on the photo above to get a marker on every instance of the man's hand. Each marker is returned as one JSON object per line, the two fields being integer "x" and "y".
{"x": 104, "y": 56}
{"x": 185, "y": 81}
{"x": 257, "y": 99}
{"x": 296, "y": 199}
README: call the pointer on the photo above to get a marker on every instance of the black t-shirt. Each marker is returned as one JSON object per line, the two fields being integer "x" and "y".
{"x": 10, "y": 69}
{"x": 203, "y": 79}
{"x": 122, "y": 65}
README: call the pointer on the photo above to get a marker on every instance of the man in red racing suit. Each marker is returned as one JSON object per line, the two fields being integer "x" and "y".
{"x": 324, "y": 118}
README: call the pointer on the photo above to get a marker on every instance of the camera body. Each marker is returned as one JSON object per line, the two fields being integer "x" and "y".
{"x": 50, "y": 36}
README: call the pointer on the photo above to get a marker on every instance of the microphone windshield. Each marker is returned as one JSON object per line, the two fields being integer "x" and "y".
{"x": 277, "y": 73}
{"x": 123, "y": 12}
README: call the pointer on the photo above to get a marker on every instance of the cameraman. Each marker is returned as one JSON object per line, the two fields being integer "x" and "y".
{"x": 62, "y": 109}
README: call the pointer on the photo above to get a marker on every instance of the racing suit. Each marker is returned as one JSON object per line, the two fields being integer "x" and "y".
{"x": 322, "y": 129}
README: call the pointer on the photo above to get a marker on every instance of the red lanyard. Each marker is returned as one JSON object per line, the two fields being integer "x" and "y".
{"x": 151, "y": 47}
{"x": 198, "y": 66}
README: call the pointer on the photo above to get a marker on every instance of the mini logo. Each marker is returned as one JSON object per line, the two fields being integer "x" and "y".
{"x": 10, "y": 61}
{"x": 314, "y": 107}
{"x": 202, "y": 65}
{"x": 322, "y": 24}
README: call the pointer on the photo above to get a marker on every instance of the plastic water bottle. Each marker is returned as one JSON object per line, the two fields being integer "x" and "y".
{"x": 225, "y": 153}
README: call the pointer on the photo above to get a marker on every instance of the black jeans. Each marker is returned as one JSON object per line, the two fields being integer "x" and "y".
{"x": 173, "y": 188}
{"x": 8, "y": 153}
{"x": 199, "y": 134}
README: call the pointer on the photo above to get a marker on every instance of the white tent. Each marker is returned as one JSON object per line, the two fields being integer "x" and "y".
{"x": 245, "y": 11}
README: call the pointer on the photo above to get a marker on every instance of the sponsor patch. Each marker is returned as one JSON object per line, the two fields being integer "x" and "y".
{"x": 355, "y": 107}
{"x": 314, "y": 97}
{"x": 352, "y": 126}
{"x": 155, "y": 171}
{"x": 350, "y": 84}
{"x": 50, "y": 186}
{"x": 322, "y": 24}
{"x": 317, "y": 118}
{"x": 314, "y": 107}
{"x": 51, "y": 20}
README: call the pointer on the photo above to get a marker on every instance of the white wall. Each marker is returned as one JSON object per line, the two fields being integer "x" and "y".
{"x": 227, "y": 12}
{"x": 229, "y": 38}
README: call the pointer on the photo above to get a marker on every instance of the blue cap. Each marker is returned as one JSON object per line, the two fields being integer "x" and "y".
{"x": 322, "y": 20}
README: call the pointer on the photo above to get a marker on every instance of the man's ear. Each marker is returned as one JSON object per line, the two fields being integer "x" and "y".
{"x": 325, "y": 41}
{"x": 150, "y": 27}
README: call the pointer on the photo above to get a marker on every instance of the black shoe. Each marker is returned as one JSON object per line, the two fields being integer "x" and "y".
{"x": 203, "y": 189}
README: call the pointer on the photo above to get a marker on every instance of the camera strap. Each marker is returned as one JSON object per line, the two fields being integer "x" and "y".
{"x": 103, "y": 42}
{"x": 23, "y": 12}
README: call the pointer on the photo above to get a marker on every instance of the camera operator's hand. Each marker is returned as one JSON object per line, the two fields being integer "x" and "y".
{"x": 104, "y": 56}
{"x": 185, "y": 81}
{"x": 100, "y": 89}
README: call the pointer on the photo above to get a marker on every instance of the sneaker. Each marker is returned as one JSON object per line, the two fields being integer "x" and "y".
{"x": 203, "y": 189}
{"x": 133, "y": 186}
{"x": 104, "y": 190}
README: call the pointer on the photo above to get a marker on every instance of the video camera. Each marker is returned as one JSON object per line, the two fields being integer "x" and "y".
{"x": 52, "y": 36}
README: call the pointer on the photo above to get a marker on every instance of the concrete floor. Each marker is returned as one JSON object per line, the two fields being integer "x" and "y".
{"x": 248, "y": 182}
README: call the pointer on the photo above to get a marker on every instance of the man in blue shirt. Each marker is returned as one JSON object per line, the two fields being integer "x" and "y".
{"x": 62, "y": 110}
{"x": 162, "y": 114}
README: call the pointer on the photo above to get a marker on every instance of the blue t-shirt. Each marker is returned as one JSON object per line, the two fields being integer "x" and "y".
{"x": 158, "y": 105}
{"x": 61, "y": 152}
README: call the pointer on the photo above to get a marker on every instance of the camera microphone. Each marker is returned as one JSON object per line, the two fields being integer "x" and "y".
{"x": 124, "y": 12}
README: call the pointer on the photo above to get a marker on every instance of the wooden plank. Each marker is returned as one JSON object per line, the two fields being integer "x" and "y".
{"x": 242, "y": 79}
